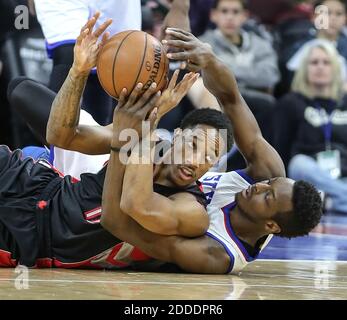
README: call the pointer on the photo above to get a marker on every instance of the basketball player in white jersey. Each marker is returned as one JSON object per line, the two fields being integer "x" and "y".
{"x": 245, "y": 208}
{"x": 61, "y": 20}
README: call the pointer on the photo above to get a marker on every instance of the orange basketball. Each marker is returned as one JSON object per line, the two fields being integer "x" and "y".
{"x": 129, "y": 58}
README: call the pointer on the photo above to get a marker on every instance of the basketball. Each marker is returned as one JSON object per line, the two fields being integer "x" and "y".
{"x": 129, "y": 58}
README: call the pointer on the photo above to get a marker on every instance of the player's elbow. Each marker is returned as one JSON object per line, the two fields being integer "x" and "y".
{"x": 51, "y": 137}
{"x": 60, "y": 137}
{"x": 55, "y": 139}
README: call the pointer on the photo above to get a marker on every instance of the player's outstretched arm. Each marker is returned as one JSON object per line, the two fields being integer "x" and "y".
{"x": 63, "y": 128}
{"x": 263, "y": 161}
{"x": 177, "y": 215}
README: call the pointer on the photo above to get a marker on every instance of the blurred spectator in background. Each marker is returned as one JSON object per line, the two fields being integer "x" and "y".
{"x": 311, "y": 125}
{"x": 7, "y": 29}
{"x": 153, "y": 15}
{"x": 274, "y": 12}
{"x": 200, "y": 16}
{"x": 61, "y": 21}
{"x": 328, "y": 22}
{"x": 251, "y": 58}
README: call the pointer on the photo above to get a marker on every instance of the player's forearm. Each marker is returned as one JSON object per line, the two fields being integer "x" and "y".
{"x": 138, "y": 178}
{"x": 64, "y": 115}
{"x": 178, "y": 16}
{"x": 112, "y": 216}
{"x": 121, "y": 225}
{"x": 220, "y": 81}
{"x": 182, "y": 6}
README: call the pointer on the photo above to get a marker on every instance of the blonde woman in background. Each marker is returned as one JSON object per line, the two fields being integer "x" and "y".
{"x": 311, "y": 125}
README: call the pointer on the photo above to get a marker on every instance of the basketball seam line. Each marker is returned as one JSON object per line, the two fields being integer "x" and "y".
{"x": 143, "y": 60}
{"x": 115, "y": 58}
{"x": 164, "y": 69}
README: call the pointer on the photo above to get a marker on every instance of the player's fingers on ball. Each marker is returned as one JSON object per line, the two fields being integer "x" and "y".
{"x": 104, "y": 39}
{"x": 182, "y": 31}
{"x": 152, "y": 103}
{"x": 178, "y": 56}
{"x": 122, "y": 98}
{"x": 178, "y": 34}
{"x": 102, "y": 28}
{"x": 147, "y": 95}
{"x": 134, "y": 95}
{"x": 178, "y": 44}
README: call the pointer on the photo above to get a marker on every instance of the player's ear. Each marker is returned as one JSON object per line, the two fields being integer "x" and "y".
{"x": 272, "y": 227}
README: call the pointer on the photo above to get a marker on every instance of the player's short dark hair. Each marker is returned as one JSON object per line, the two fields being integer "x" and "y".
{"x": 306, "y": 214}
{"x": 318, "y": 3}
{"x": 209, "y": 117}
{"x": 244, "y": 3}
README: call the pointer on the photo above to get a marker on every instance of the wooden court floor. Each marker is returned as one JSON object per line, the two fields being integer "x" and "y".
{"x": 262, "y": 280}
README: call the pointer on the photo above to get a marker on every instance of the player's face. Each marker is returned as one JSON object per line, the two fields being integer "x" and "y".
{"x": 264, "y": 200}
{"x": 229, "y": 17}
{"x": 195, "y": 151}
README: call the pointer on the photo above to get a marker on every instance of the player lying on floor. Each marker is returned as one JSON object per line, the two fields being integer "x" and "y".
{"x": 242, "y": 215}
{"x": 85, "y": 210}
{"x": 46, "y": 220}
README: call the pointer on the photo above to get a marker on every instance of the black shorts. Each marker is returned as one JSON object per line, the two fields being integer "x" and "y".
{"x": 49, "y": 221}
{"x": 24, "y": 184}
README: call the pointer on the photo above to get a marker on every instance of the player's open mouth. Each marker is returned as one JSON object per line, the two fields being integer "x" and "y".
{"x": 185, "y": 173}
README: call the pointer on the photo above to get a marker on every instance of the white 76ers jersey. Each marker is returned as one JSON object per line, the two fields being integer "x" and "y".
{"x": 220, "y": 190}
{"x": 73, "y": 163}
